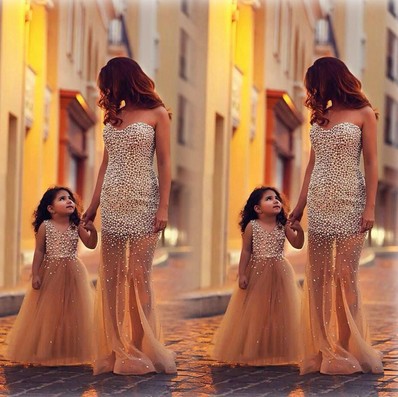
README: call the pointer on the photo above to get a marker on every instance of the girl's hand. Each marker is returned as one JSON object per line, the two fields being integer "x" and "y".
{"x": 89, "y": 226}
{"x": 36, "y": 282}
{"x": 243, "y": 282}
{"x": 161, "y": 218}
{"x": 89, "y": 215}
{"x": 295, "y": 215}
{"x": 367, "y": 220}
{"x": 295, "y": 225}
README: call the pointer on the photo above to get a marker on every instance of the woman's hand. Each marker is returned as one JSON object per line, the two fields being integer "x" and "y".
{"x": 36, "y": 282}
{"x": 89, "y": 226}
{"x": 161, "y": 219}
{"x": 295, "y": 225}
{"x": 89, "y": 215}
{"x": 243, "y": 282}
{"x": 367, "y": 220}
{"x": 295, "y": 215}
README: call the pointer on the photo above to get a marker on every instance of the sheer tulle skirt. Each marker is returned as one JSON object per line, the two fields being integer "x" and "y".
{"x": 55, "y": 323}
{"x": 260, "y": 326}
{"x": 128, "y": 333}
{"x": 336, "y": 338}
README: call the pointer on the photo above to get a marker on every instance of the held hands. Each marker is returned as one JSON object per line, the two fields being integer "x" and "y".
{"x": 88, "y": 225}
{"x": 295, "y": 225}
{"x": 89, "y": 215}
{"x": 161, "y": 218}
{"x": 243, "y": 282}
{"x": 295, "y": 215}
{"x": 36, "y": 282}
{"x": 367, "y": 220}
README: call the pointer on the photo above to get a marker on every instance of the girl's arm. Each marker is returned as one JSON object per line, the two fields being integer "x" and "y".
{"x": 369, "y": 147}
{"x": 88, "y": 234}
{"x": 91, "y": 211}
{"x": 295, "y": 234}
{"x": 245, "y": 255}
{"x": 162, "y": 141}
{"x": 297, "y": 213}
{"x": 38, "y": 256}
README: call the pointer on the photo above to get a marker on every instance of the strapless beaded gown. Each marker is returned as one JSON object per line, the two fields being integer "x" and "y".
{"x": 336, "y": 335}
{"x": 260, "y": 326}
{"x": 128, "y": 333}
{"x": 55, "y": 323}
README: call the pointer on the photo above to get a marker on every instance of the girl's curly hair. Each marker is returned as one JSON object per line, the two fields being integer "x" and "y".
{"x": 122, "y": 79}
{"x": 248, "y": 213}
{"x": 329, "y": 79}
{"x": 41, "y": 213}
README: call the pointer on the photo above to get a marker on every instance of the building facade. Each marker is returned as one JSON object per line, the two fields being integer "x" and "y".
{"x": 49, "y": 59}
{"x": 230, "y": 71}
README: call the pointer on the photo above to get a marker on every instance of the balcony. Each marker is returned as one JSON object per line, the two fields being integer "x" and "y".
{"x": 325, "y": 42}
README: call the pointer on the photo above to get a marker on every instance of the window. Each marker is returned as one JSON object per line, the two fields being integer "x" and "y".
{"x": 392, "y": 56}
{"x": 185, "y": 7}
{"x": 391, "y": 122}
{"x": 184, "y": 54}
{"x": 182, "y": 122}
{"x": 70, "y": 35}
{"x": 287, "y": 51}
{"x": 80, "y": 33}
{"x": 277, "y": 28}
{"x": 393, "y": 7}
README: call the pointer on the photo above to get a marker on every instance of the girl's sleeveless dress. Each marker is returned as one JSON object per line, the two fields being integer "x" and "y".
{"x": 128, "y": 333}
{"x": 336, "y": 339}
{"x": 260, "y": 326}
{"x": 55, "y": 323}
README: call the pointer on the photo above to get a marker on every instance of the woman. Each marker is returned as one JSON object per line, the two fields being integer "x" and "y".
{"x": 341, "y": 206}
{"x": 134, "y": 208}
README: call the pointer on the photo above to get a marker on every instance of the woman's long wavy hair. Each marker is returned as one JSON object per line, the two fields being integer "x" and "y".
{"x": 248, "y": 213}
{"x": 41, "y": 213}
{"x": 122, "y": 79}
{"x": 329, "y": 79}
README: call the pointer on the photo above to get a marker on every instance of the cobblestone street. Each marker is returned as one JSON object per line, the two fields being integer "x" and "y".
{"x": 198, "y": 375}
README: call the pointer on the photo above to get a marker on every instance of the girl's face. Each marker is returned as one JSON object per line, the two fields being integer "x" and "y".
{"x": 270, "y": 204}
{"x": 62, "y": 204}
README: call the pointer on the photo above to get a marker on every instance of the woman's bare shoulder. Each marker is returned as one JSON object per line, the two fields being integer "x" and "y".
{"x": 160, "y": 112}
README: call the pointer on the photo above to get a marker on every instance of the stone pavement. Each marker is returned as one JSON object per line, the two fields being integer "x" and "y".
{"x": 198, "y": 375}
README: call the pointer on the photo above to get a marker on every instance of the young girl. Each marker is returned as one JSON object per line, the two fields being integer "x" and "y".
{"x": 54, "y": 325}
{"x": 261, "y": 323}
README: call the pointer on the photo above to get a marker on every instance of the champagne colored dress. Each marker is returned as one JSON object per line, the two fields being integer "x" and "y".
{"x": 336, "y": 336}
{"x": 55, "y": 323}
{"x": 260, "y": 326}
{"x": 128, "y": 333}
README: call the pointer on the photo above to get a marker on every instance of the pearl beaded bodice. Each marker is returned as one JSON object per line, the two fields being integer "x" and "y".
{"x": 337, "y": 152}
{"x": 129, "y": 196}
{"x": 267, "y": 244}
{"x": 336, "y": 194}
{"x": 61, "y": 244}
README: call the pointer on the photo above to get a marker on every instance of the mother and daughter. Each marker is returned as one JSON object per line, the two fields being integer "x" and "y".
{"x": 263, "y": 324}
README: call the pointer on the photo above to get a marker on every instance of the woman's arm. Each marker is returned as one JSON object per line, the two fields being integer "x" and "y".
{"x": 38, "y": 256}
{"x": 245, "y": 255}
{"x": 369, "y": 147}
{"x": 162, "y": 140}
{"x": 297, "y": 213}
{"x": 91, "y": 211}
